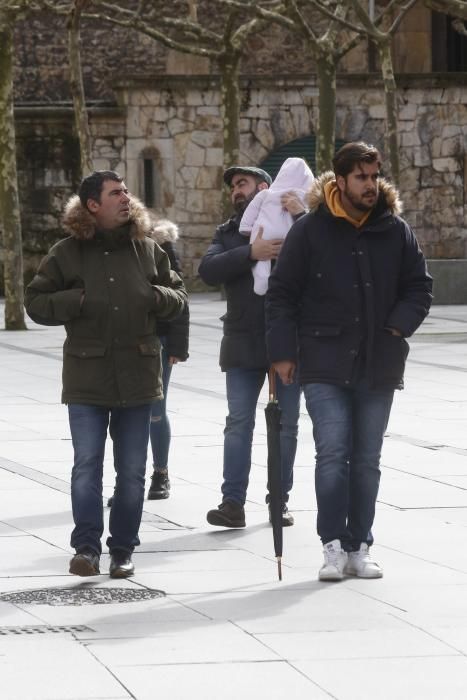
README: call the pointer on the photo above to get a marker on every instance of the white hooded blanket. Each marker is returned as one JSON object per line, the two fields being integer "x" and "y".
{"x": 266, "y": 211}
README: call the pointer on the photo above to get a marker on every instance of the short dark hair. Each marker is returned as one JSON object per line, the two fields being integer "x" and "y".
{"x": 352, "y": 154}
{"x": 91, "y": 186}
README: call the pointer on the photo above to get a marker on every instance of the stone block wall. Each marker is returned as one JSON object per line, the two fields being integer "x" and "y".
{"x": 181, "y": 120}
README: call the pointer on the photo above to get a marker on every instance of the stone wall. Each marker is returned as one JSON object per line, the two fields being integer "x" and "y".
{"x": 180, "y": 119}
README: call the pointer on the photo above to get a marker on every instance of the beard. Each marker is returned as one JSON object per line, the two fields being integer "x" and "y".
{"x": 241, "y": 202}
{"x": 361, "y": 204}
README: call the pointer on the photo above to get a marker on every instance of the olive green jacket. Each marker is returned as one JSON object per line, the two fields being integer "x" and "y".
{"x": 109, "y": 289}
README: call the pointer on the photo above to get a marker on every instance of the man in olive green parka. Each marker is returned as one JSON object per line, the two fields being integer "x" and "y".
{"x": 109, "y": 284}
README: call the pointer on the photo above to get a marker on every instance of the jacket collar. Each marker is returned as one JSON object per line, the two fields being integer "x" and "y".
{"x": 388, "y": 196}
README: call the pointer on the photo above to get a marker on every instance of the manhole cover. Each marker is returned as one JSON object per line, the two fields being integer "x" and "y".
{"x": 80, "y": 596}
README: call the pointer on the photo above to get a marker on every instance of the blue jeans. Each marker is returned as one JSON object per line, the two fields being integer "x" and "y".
{"x": 243, "y": 389}
{"x": 160, "y": 425}
{"x": 348, "y": 428}
{"x": 129, "y": 430}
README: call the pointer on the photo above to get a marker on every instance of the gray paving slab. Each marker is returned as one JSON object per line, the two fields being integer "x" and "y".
{"x": 226, "y": 624}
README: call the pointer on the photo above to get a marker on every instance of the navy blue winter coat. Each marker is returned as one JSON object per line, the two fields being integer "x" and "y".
{"x": 336, "y": 289}
{"x": 227, "y": 262}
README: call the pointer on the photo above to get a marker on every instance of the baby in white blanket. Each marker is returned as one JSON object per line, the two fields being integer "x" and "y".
{"x": 267, "y": 211}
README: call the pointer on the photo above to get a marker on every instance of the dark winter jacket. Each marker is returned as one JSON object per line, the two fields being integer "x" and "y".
{"x": 337, "y": 289}
{"x": 227, "y": 262}
{"x": 111, "y": 355}
{"x": 176, "y": 332}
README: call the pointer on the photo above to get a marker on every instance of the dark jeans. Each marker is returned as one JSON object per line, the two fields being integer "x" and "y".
{"x": 348, "y": 428}
{"x": 129, "y": 430}
{"x": 243, "y": 389}
{"x": 160, "y": 425}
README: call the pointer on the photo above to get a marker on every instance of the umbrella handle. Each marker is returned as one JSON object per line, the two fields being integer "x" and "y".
{"x": 272, "y": 384}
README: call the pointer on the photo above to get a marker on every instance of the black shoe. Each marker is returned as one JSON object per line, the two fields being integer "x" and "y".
{"x": 287, "y": 517}
{"x": 160, "y": 485}
{"x": 110, "y": 501}
{"x": 85, "y": 563}
{"x": 121, "y": 565}
{"x": 228, "y": 514}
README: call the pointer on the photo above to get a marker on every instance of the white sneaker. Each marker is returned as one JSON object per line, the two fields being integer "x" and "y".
{"x": 362, "y": 565}
{"x": 335, "y": 560}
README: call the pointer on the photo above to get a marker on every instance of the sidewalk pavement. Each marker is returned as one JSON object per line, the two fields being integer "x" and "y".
{"x": 226, "y": 627}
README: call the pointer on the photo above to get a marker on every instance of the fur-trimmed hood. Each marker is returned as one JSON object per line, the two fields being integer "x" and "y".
{"x": 79, "y": 222}
{"x": 163, "y": 231}
{"x": 386, "y": 191}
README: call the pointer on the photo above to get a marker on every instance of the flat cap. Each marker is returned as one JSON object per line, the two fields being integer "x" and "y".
{"x": 247, "y": 170}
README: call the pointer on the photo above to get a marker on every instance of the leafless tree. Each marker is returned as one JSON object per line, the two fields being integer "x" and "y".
{"x": 393, "y": 12}
{"x": 187, "y": 34}
{"x": 10, "y": 12}
{"x": 72, "y": 11}
{"x": 326, "y": 43}
{"x": 77, "y": 87}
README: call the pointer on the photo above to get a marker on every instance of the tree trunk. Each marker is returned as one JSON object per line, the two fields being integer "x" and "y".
{"x": 77, "y": 88}
{"x": 9, "y": 201}
{"x": 390, "y": 92}
{"x": 326, "y": 133}
{"x": 230, "y": 94}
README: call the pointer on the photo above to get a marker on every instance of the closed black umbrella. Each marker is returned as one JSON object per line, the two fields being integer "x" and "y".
{"x": 273, "y": 425}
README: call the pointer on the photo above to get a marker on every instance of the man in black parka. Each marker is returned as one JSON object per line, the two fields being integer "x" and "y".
{"x": 349, "y": 286}
{"x": 229, "y": 261}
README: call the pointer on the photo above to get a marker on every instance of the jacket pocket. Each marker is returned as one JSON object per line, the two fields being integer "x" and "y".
{"x": 325, "y": 331}
{"x": 85, "y": 351}
{"x": 321, "y": 351}
{"x": 389, "y": 356}
{"x": 148, "y": 366}
{"x": 84, "y": 370}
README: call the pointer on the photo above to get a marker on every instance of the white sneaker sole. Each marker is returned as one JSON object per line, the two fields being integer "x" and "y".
{"x": 331, "y": 576}
{"x": 349, "y": 571}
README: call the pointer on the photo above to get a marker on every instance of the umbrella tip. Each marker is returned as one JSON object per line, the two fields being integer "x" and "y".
{"x": 279, "y": 568}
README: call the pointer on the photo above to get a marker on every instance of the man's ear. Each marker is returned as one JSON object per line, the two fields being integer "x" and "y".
{"x": 263, "y": 186}
{"x": 92, "y": 205}
{"x": 340, "y": 182}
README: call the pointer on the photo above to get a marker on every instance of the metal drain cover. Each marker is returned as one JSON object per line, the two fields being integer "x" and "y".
{"x": 44, "y": 629}
{"x": 80, "y": 596}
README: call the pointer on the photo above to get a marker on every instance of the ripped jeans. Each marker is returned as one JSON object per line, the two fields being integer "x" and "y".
{"x": 160, "y": 425}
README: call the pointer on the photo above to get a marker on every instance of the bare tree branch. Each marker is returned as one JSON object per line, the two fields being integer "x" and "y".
{"x": 321, "y": 6}
{"x": 305, "y": 28}
{"x": 456, "y": 8}
{"x": 403, "y": 11}
{"x": 274, "y": 14}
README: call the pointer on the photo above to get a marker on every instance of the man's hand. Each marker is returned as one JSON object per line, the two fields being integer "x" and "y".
{"x": 291, "y": 202}
{"x": 174, "y": 360}
{"x": 394, "y": 331}
{"x": 286, "y": 370}
{"x": 265, "y": 250}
